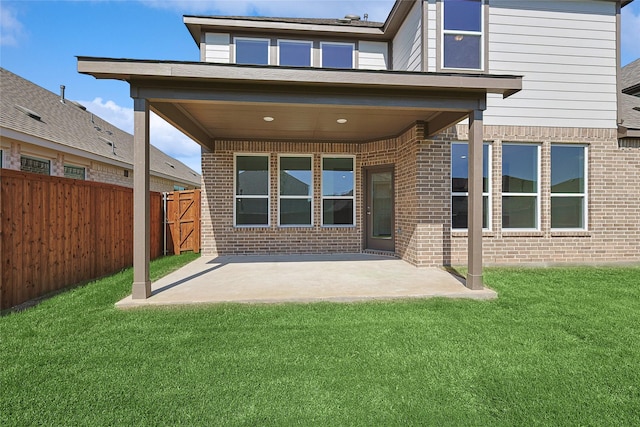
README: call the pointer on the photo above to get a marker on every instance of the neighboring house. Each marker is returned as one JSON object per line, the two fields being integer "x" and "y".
{"x": 369, "y": 116}
{"x": 42, "y": 132}
{"x": 629, "y": 106}
{"x": 630, "y": 78}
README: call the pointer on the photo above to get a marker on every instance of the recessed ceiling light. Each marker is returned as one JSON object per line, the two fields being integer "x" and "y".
{"x": 342, "y": 121}
{"x": 268, "y": 119}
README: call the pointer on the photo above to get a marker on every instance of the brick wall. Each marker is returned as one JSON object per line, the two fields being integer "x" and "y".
{"x": 613, "y": 233}
{"x": 94, "y": 171}
{"x": 423, "y": 200}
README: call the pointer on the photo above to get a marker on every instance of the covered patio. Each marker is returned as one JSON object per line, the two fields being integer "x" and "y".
{"x": 217, "y": 103}
{"x": 302, "y": 278}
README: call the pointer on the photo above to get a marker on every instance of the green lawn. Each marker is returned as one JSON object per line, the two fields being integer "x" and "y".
{"x": 559, "y": 347}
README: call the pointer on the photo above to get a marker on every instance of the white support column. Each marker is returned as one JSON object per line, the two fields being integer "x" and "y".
{"x": 474, "y": 275}
{"x": 141, "y": 201}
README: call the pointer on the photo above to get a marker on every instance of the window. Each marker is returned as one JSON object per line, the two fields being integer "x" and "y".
{"x": 337, "y": 55}
{"x": 460, "y": 185}
{"x": 462, "y": 40}
{"x": 520, "y": 186}
{"x": 75, "y": 172}
{"x": 568, "y": 187}
{"x": 33, "y": 165}
{"x": 338, "y": 195}
{"x": 252, "y": 190}
{"x": 252, "y": 51}
{"x": 294, "y": 53}
{"x": 179, "y": 188}
{"x": 296, "y": 191}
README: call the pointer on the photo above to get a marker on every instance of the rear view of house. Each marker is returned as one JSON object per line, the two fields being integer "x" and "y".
{"x": 477, "y": 131}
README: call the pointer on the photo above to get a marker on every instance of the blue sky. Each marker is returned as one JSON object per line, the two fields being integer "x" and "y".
{"x": 39, "y": 41}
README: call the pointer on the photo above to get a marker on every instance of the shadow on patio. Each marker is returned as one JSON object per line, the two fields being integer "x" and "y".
{"x": 302, "y": 278}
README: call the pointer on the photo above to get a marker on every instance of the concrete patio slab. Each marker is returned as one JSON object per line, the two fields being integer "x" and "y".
{"x": 302, "y": 278}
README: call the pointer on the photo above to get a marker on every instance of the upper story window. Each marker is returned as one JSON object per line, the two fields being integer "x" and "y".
{"x": 294, "y": 53}
{"x": 462, "y": 38}
{"x": 252, "y": 51}
{"x": 337, "y": 55}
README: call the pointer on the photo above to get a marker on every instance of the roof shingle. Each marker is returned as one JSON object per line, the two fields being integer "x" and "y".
{"x": 69, "y": 125}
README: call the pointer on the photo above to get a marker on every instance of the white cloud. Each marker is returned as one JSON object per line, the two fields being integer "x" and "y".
{"x": 11, "y": 29}
{"x": 378, "y": 10}
{"x": 630, "y": 33}
{"x": 163, "y": 136}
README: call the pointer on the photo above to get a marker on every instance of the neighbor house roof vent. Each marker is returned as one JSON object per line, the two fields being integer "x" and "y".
{"x": 29, "y": 112}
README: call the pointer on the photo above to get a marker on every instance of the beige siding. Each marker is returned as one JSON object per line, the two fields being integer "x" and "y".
{"x": 373, "y": 55}
{"x": 407, "y": 44}
{"x": 566, "y": 53}
{"x": 217, "y": 48}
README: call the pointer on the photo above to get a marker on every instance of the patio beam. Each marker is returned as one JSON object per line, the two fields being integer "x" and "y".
{"x": 474, "y": 260}
{"x": 141, "y": 201}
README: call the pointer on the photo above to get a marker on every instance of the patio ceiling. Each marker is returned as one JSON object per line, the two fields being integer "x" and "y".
{"x": 211, "y": 102}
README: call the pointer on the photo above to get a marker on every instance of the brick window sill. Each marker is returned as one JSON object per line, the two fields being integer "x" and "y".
{"x": 567, "y": 233}
{"x": 465, "y": 233}
{"x": 522, "y": 233}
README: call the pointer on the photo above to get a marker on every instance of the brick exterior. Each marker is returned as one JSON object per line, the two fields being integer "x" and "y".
{"x": 423, "y": 200}
{"x": 94, "y": 171}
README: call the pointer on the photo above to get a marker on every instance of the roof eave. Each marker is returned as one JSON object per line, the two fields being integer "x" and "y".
{"x": 128, "y": 70}
{"x": 197, "y": 24}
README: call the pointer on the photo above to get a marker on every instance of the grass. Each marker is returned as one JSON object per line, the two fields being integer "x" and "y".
{"x": 561, "y": 346}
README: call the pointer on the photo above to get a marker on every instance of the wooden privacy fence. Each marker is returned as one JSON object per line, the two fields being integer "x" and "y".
{"x": 56, "y": 232}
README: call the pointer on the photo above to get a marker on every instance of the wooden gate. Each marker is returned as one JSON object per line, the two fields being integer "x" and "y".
{"x": 183, "y": 221}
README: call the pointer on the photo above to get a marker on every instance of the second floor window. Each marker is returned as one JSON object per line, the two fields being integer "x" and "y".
{"x": 294, "y": 53}
{"x": 252, "y": 51}
{"x": 462, "y": 34}
{"x": 337, "y": 55}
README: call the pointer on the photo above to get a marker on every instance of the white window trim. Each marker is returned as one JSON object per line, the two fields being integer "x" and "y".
{"x": 323, "y": 197}
{"x": 309, "y": 43}
{"x": 480, "y": 33}
{"x": 584, "y": 195}
{"x": 310, "y": 196}
{"x": 236, "y": 196}
{"x": 353, "y": 52}
{"x": 487, "y": 194}
{"x": 537, "y": 194}
{"x": 235, "y": 47}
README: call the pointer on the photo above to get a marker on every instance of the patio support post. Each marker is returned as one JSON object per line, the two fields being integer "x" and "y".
{"x": 474, "y": 275}
{"x": 141, "y": 201}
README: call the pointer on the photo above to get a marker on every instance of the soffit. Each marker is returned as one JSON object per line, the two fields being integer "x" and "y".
{"x": 222, "y": 120}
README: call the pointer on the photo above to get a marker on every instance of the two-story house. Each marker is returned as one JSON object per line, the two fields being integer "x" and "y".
{"x": 477, "y": 131}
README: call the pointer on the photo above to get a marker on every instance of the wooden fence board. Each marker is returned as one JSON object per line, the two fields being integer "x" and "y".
{"x": 56, "y": 232}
